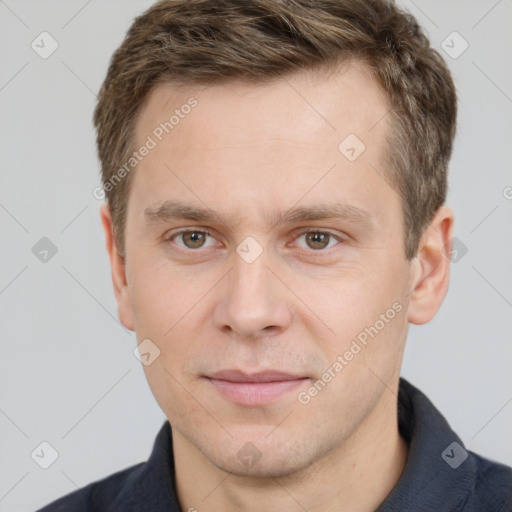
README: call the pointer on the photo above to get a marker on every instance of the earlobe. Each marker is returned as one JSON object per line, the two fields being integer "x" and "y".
{"x": 431, "y": 268}
{"x": 118, "y": 270}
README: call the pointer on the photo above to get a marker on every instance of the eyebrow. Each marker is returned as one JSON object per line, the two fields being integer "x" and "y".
{"x": 177, "y": 210}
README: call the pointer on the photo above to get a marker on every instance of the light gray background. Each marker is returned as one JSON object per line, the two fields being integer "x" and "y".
{"x": 67, "y": 369}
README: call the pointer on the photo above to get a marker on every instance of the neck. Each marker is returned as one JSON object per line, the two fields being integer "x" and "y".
{"x": 355, "y": 477}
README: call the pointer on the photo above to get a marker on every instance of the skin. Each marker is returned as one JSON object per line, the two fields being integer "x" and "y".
{"x": 250, "y": 153}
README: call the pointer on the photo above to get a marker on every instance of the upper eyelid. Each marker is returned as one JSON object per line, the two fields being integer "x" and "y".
{"x": 179, "y": 231}
{"x": 318, "y": 230}
{"x": 169, "y": 237}
{"x": 209, "y": 232}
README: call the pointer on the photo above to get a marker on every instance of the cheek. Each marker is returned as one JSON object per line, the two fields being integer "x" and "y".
{"x": 362, "y": 305}
{"x": 161, "y": 295}
{"x": 169, "y": 311}
{"x": 170, "y": 308}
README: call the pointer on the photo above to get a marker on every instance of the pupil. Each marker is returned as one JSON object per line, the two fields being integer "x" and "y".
{"x": 195, "y": 238}
{"x": 318, "y": 240}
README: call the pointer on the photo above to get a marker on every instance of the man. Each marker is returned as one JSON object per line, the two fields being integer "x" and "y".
{"x": 275, "y": 175}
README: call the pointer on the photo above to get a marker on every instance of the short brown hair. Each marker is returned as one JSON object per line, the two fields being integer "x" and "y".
{"x": 209, "y": 42}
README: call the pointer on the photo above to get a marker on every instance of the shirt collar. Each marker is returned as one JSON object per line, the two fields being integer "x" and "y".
{"x": 439, "y": 472}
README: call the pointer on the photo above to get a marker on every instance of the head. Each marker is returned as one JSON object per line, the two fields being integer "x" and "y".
{"x": 275, "y": 175}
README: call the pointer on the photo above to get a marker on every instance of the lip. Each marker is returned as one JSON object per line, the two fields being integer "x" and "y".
{"x": 254, "y": 389}
{"x": 265, "y": 376}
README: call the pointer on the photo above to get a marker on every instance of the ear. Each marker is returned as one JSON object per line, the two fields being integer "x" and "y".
{"x": 431, "y": 268}
{"x": 118, "y": 268}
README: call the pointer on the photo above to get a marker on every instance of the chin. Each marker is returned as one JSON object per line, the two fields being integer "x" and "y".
{"x": 269, "y": 458}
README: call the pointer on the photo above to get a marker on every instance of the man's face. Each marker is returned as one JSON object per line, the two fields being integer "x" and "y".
{"x": 255, "y": 289}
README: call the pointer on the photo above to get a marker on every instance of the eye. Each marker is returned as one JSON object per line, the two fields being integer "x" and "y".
{"x": 191, "y": 239}
{"x": 318, "y": 240}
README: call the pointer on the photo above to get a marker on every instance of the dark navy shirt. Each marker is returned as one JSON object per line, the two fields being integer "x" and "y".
{"x": 440, "y": 475}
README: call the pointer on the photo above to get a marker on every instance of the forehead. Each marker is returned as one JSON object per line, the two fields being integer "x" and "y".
{"x": 320, "y": 103}
{"x": 232, "y": 144}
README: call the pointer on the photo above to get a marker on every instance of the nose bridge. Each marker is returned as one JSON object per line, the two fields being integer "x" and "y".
{"x": 252, "y": 299}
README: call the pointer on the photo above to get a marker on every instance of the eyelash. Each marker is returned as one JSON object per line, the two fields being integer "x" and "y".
{"x": 318, "y": 252}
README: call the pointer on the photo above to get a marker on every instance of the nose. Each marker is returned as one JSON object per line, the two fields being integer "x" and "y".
{"x": 253, "y": 300}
